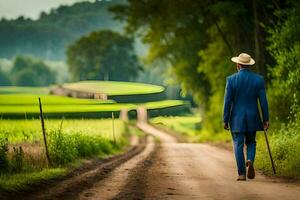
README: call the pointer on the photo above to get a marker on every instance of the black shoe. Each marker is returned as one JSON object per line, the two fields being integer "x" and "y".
{"x": 250, "y": 170}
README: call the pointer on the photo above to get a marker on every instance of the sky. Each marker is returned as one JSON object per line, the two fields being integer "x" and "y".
{"x": 11, "y": 9}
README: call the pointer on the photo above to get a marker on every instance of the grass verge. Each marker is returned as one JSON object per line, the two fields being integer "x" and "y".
{"x": 67, "y": 150}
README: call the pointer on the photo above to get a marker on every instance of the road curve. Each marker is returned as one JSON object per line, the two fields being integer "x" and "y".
{"x": 200, "y": 171}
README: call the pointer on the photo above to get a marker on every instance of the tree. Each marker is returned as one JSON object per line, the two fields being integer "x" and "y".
{"x": 198, "y": 38}
{"x": 285, "y": 75}
{"x": 4, "y": 79}
{"x": 103, "y": 55}
{"x": 27, "y": 71}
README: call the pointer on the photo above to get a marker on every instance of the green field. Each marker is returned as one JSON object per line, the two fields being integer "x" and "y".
{"x": 30, "y": 130}
{"x": 187, "y": 126}
{"x": 22, "y": 106}
{"x": 114, "y": 88}
{"x": 32, "y": 99}
{"x": 23, "y": 90}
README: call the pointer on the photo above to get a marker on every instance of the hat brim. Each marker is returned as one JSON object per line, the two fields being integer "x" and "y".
{"x": 236, "y": 60}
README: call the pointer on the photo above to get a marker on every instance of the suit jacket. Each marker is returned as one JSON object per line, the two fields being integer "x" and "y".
{"x": 242, "y": 92}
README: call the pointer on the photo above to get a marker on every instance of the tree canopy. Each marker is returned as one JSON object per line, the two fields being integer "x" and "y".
{"x": 198, "y": 38}
{"x": 103, "y": 55}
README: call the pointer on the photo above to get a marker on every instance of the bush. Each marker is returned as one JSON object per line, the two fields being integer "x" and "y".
{"x": 61, "y": 147}
{"x": 17, "y": 159}
{"x": 4, "y": 79}
{"x": 27, "y": 71}
{"x": 65, "y": 148}
{"x": 285, "y": 148}
{"x": 88, "y": 146}
{"x": 3, "y": 154}
{"x": 285, "y": 75}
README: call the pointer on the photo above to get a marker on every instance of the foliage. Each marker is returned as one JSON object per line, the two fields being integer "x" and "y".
{"x": 47, "y": 36}
{"x": 103, "y": 55}
{"x": 29, "y": 72}
{"x": 285, "y": 48}
{"x": 197, "y": 39}
{"x": 3, "y": 154}
{"x": 64, "y": 148}
{"x": 4, "y": 79}
{"x": 17, "y": 159}
{"x": 61, "y": 147}
{"x": 285, "y": 149}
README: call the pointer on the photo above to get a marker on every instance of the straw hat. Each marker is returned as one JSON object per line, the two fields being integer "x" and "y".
{"x": 244, "y": 59}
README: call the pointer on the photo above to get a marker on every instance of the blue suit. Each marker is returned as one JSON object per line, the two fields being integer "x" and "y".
{"x": 243, "y": 91}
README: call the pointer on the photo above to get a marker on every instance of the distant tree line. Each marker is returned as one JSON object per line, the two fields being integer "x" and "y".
{"x": 48, "y": 36}
{"x": 27, "y": 71}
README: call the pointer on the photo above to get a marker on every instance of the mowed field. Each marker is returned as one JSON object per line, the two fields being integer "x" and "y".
{"x": 114, "y": 87}
{"x": 24, "y": 106}
{"x": 17, "y": 105}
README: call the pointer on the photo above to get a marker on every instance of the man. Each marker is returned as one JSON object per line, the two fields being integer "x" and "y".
{"x": 241, "y": 113}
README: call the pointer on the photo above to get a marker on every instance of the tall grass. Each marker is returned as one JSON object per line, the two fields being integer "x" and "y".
{"x": 285, "y": 146}
{"x": 65, "y": 148}
{"x": 22, "y": 152}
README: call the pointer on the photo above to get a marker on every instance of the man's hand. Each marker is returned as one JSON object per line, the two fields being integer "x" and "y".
{"x": 226, "y": 126}
{"x": 266, "y": 125}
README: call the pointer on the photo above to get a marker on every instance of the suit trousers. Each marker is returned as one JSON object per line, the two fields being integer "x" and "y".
{"x": 240, "y": 139}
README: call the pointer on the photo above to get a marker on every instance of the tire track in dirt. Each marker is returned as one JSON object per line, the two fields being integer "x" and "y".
{"x": 114, "y": 185}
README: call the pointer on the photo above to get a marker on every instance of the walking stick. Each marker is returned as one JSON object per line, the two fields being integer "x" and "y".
{"x": 267, "y": 141}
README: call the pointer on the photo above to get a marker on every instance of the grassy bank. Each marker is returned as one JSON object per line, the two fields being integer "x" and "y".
{"x": 190, "y": 127}
{"x": 187, "y": 126}
{"x": 22, "y": 154}
{"x": 285, "y": 148}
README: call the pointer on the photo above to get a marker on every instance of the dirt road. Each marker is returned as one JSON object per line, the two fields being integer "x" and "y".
{"x": 200, "y": 171}
{"x": 170, "y": 170}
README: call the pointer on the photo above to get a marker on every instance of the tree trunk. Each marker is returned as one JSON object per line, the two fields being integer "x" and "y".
{"x": 260, "y": 51}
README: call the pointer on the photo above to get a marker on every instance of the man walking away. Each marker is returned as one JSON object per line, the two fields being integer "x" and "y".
{"x": 241, "y": 113}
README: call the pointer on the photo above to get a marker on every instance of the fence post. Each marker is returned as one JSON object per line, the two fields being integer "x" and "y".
{"x": 44, "y": 132}
{"x": 113, "y": 126}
